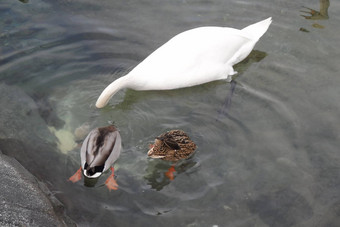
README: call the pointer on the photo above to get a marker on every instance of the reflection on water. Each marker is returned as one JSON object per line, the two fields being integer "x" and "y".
{"x": 157, "y": 169}
{"x": 268, "y": 143}
{"x": 313, "y": 14}
{"x": 254, "y": 56}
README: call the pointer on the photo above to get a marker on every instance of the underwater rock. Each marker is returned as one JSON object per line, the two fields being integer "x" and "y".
{"x": 81, "y": 132}
{"x": 66, "y": 139}
{"x": 20, "y": 118}
{"x": 46, "y": 109}
{"x": 25, "y": 136}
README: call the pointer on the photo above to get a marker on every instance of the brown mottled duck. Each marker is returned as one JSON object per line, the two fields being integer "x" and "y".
{"x": 172, "y": 146}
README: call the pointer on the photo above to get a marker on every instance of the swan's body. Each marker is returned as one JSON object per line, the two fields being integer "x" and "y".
{"x": 100, "y": 149}
{"x": 172, "y": 146}
{"x": 190, "y": 58}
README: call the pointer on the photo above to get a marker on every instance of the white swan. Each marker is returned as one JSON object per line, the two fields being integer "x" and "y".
{"x": 190, "y": 58}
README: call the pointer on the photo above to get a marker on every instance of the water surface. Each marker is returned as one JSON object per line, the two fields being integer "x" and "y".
{"x": 268, "y": 144}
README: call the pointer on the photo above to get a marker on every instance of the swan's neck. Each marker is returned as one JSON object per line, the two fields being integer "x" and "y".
{"x": 110, "y": 90}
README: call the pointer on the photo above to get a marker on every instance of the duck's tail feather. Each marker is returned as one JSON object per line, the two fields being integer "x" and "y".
{"x": 255, "y": 31}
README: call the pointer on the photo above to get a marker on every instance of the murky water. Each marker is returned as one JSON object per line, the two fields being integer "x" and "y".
{"x": 268, "y": 144}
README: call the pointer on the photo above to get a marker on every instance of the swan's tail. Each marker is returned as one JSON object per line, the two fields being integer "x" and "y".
{"x": 255, "y": 31}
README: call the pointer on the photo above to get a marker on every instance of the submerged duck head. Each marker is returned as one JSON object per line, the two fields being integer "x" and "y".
{"x": 172, "y": 146}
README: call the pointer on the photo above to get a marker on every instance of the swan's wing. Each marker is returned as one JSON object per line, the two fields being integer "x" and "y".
{"x": 242, "y": 52}
{"x": 253, "y": 32}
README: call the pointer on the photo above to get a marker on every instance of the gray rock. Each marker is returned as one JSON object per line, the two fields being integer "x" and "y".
{"x": 23, "y": 198}
{"x": 25, "y": 138}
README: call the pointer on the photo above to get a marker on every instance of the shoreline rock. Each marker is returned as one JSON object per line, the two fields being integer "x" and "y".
{"x": 25, "y": 201}
{"x": 27, "y": 149}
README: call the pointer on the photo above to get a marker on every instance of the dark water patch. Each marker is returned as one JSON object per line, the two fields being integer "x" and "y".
{"x": 44, "y": 63}
{"x": 254, "y": 56}
{"x": 284, "y": 207}
{"x": 156, "y": 171}
{"x": 331, "y": 216}
{"x": 68, "y": 40}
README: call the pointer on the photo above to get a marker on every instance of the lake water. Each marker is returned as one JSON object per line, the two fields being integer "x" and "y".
{"x": 268, "y": 143}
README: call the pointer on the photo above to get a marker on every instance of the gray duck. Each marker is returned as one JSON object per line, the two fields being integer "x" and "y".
{"x": 100, "y": 149}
